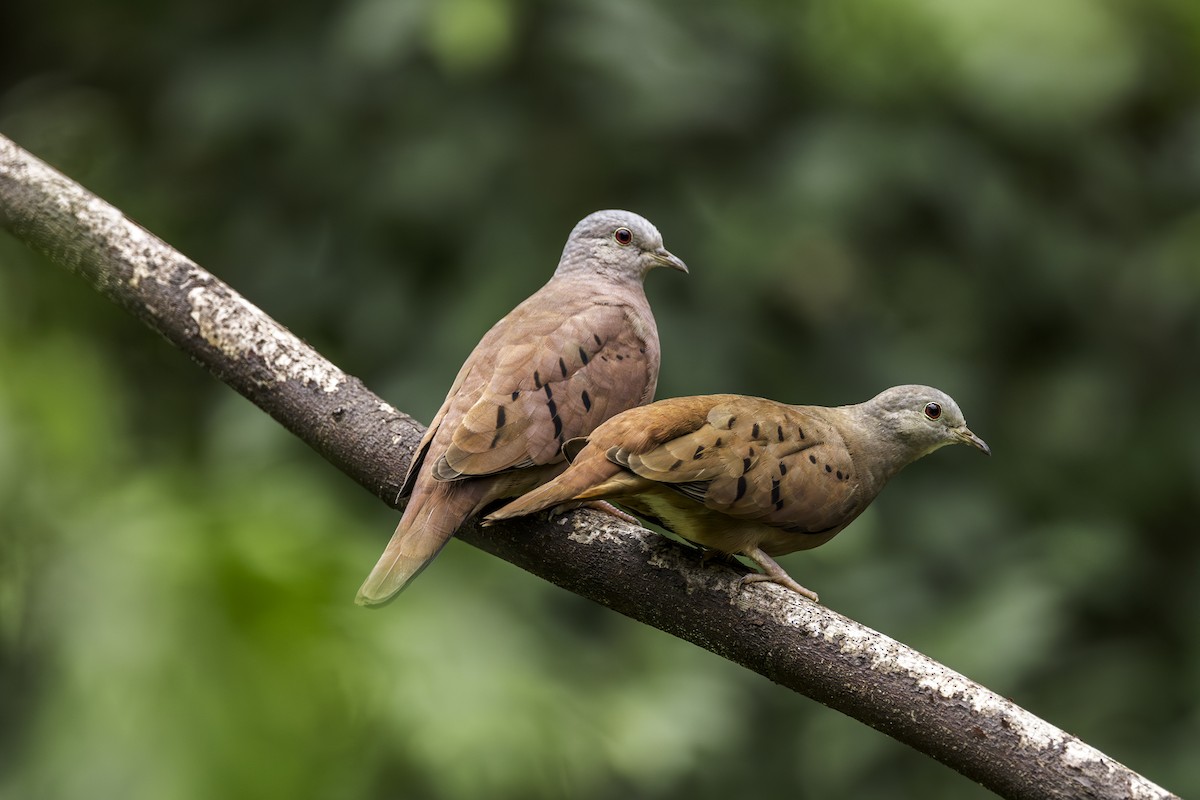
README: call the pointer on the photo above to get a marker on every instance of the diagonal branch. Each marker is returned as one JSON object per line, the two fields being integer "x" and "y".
{"x": 805, "y": 647}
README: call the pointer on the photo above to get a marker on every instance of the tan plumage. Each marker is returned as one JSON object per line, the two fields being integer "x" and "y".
{"x": 581, "y": 349}
{"x": 749, "y": 476}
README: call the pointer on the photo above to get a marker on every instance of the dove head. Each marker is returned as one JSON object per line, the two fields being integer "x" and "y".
{"x": 615, "y": 244}
{"x": 916, "y": 420}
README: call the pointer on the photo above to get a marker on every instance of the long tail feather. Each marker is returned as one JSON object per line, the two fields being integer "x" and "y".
{"x": 586, "y": 479}
{"x": 552, "y": 494}
{"x": 429, "y": 521}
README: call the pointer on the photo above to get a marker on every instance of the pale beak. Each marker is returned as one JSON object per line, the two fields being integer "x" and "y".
{"x": 964, "y": 434}
{"x": 665, "y": 258}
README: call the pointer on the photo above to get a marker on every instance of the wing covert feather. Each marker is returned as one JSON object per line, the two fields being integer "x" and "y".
{"x": 545, "y": 374}
{"x": 756, "y": 459}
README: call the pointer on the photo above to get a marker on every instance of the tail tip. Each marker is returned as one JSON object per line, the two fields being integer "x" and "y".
{"x": 368, "y": 599}
{"x": 391, "y": 576}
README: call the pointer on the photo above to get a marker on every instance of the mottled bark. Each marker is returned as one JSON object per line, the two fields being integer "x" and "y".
{"x": 805, "y": 647}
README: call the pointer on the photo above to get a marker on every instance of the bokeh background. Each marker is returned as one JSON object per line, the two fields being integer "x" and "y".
{"x": 1000, "y": 200}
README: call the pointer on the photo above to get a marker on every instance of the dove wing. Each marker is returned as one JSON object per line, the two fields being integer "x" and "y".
{"x": 551, "y": 370}
{"x": 756, "y": 459}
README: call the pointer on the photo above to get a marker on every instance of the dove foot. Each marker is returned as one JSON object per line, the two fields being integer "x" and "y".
{"x": 608, "y": 508}
{"x": 774, "y": 573}
{"x": 596, "y": 505}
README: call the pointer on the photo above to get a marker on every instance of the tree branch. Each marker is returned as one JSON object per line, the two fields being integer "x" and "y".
{"x": 805, "y": 647}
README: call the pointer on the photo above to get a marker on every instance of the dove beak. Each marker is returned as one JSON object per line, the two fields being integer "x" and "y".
{"x": 966, "y": 437}
{"x": 664, "y": 258}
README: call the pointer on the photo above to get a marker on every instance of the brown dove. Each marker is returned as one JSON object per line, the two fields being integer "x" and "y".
{"x": 744, "y": 475}
{"x": 581, "y": 349}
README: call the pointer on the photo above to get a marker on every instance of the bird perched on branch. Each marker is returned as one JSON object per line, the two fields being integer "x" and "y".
{"x": 581, "y": 349}
{"x": 748, "y": 476}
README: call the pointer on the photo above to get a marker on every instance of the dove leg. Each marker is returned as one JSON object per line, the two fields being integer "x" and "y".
{"x": 774, "y": 573}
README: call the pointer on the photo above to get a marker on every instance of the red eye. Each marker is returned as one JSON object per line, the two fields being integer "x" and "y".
{"x": 933, "y": 410}
{"x": 623, "y": 236}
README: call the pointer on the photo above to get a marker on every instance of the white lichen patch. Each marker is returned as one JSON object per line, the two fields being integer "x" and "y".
{"x": 95, "y": 220}
{"x": 587, "y": 534}
{"x": 239, "y": 330}
{"x": 141, "y": 271}
{"x": 1077, "y": 755}
{"x": 884, "y": 654}
{"x": 148, "y": 257}
{"x": 695, "y": 580}
{"x": 391, "y": 412}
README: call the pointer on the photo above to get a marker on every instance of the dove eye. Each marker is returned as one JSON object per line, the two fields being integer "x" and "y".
{"x": 623, "y": 236}
{"x": 933, "y": 410}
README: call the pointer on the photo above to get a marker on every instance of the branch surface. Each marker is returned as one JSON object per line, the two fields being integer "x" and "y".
{"x": 806, "y": 647}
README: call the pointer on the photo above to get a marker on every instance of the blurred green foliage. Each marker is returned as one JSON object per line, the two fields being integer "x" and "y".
{"x": 1000, "y": 201}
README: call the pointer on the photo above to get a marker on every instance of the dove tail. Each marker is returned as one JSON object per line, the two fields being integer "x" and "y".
{"x": 590, "y": 479}
{"x": 429, "y": 521}
{"x": 551, "y": 494}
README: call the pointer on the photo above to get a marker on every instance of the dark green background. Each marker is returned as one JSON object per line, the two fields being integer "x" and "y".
{"x": 1000, "y": 200}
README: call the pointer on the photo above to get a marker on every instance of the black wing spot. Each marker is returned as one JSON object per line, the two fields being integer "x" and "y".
{"x": 499, "y": 417}
{"x": 587, "y": 401}
{"x": 745, "y": 464}
{"x": 782, "y": 468}
{"x": 548, "y": 392}
{"x": 562, "y": 366}
{"x": 516, "y": 394}
{"x": 717, "y": 443}
{"x": 779, "y": 432}
{"x": 558, "y": 427}
{"x": 828, "y": 468}
{"x": 678, "y": 463}
{"x": 550, "y": 404}
{"x": 583, "y": 356}
{"x": 699, "y": 450}
{"x": 741, "y": 488}
{"x": 537, "y": 380}
{"x": 731, "y": 421}
{"x": 754, "y": 431}
{"x": 599, "y": 343}
{"x": 775, "y": 492}
{"x": 812, "y": 458}
{"x": 800, "y": 431}
{"x": 620, "y": 357}
{"x": 839, "y": 474}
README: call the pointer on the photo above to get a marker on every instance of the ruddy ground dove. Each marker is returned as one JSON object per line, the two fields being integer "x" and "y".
{"x": 744, "y": 475}
{"x": 581, "y": 349}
